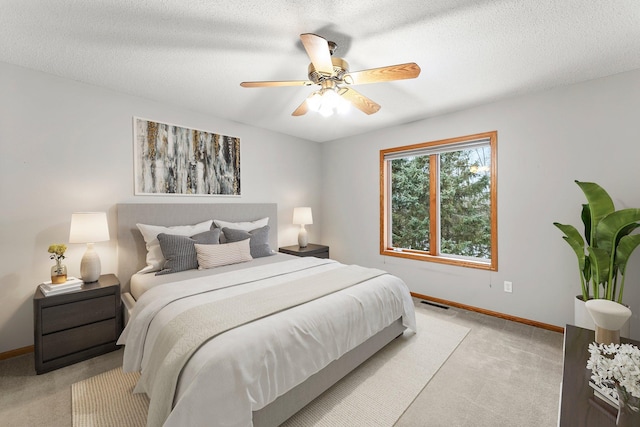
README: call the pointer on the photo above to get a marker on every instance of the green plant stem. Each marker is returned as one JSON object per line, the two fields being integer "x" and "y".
{"x": 621, "y": 290}
{"x": 585, "y": 291}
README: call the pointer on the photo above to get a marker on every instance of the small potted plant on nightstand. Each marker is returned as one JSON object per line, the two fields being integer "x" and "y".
{"x": 605, "y": 249}
{"x": 58, "y": 271}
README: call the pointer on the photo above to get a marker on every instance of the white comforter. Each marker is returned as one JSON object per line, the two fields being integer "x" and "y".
{"x": 247, "y": 368}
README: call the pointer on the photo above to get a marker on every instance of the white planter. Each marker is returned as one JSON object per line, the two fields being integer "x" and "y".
{"x": 582, "y": 318}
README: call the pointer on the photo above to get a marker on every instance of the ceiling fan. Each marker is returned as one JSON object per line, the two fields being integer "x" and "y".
{"x": 334, "y": 78}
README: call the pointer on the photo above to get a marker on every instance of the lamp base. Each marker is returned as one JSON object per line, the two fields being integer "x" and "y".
{"x": 303, "y": 241}
{"x": 607, "y": 336}
{"x": 609, "y": 317}
{"x": 90, "y": 265}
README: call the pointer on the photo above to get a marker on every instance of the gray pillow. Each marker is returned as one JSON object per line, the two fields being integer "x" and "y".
{"x": 179, "y": 251}
{"x": 259, "y": 242}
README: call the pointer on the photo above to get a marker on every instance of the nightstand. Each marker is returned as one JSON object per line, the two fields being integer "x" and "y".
{"x": 78, "y": 325}
{"x": 318, "y": 251}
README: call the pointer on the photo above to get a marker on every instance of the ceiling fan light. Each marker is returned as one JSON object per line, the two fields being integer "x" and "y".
{"x": 314, "y": 101}
{"x": 325, "y": 110}
{"x": 331, "y": 98}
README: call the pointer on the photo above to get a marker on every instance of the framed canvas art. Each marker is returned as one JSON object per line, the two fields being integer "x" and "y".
{"x": 175, "y": 160}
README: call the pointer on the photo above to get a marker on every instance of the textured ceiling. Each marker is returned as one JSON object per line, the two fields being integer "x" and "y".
{"x": 194, "y": 53}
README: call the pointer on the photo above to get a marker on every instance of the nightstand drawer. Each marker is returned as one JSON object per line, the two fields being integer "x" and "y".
{"x": 70, "y": 315}
{"x": 66, "y": 342}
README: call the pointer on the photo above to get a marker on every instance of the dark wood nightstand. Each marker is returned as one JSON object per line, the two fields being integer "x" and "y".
{"x": 318, "y": 251}
{"x": 78, "y": 325}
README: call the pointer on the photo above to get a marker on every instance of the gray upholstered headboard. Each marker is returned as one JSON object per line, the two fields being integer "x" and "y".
{"x": 131, "y": 247}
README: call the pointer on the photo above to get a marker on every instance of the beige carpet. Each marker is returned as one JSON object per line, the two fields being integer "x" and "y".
{"x": 375, "y": 394}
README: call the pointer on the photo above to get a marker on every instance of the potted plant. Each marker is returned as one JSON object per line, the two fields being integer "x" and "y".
{"x": 58, "y": 271}
{"x": 606, "y": 247}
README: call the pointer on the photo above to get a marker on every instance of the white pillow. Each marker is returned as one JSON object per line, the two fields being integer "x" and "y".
{"x": 155, "y": 259}
{"x": 244, "y": 226}
{"x": 210, "y": 256}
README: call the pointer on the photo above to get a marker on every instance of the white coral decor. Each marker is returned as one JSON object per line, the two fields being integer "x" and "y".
{"x": 616, "y": 362}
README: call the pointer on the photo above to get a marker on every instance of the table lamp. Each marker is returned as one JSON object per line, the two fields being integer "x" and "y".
{"x": 609, "y": 316}
{"x": 89, "y": 228}
{"x": 302, "y": 216}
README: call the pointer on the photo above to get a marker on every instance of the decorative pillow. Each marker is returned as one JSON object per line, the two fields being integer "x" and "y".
{"x": 246, "y": 226}
{"x": 150, "y": 233}
{"x": 179, "y": 251}
{"x": 258, "y": 240}
{"x": 210, "y": 256}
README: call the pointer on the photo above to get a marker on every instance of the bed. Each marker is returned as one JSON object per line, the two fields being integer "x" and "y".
{"x": 255, "y": 372}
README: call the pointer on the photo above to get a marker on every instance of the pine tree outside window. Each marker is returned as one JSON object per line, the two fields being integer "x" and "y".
{"x": 438, "y": 201}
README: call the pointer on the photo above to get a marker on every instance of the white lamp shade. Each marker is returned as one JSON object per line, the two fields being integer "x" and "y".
{"x": 302, "y": 216}
{"x": 88, "y": 227}
{"x": 608, "y": 314}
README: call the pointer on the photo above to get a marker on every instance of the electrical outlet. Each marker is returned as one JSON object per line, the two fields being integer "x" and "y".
{"x": 508, "y": 286}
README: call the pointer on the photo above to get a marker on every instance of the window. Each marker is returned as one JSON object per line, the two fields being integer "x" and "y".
{"x": 438, "y": 201}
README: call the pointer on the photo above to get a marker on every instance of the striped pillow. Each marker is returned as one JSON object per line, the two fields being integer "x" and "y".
{"x": 179, "y": 252}
{"x": 210, "y": 256}
{"x": 150, "y": 235}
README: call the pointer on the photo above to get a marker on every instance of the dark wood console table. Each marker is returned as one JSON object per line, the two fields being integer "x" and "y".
{"x": 578, "y": 406}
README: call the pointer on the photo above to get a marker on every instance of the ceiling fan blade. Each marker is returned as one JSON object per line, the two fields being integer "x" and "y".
{"x": 301, "y": 110}
{"x": 318, "y": 50}
{"x": 359, "y": 101}
{"x": 277, "y": 83}
{"x": 409, "y": 70}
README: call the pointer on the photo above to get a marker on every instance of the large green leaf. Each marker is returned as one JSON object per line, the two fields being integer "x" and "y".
{"x": 626, "y": 230}
{"x": 600, "y": 205}
{"x": 599, "y": 259}
{"x": 571, "y": 232}
{"x": 574, "y": 239}
{"x": 587, "y": 272}
{"x": 578, "y": 249}
{"x": 613, "y": 226}
{"x": 609, "y": 233}
{"x": 585, "y": 215}
{"x": 625, "y": 248}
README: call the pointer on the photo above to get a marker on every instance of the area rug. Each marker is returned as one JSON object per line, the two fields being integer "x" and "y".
{"x": 375, "y": 394}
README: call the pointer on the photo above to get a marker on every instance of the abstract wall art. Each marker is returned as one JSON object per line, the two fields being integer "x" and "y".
{"x": 174, "y": 160}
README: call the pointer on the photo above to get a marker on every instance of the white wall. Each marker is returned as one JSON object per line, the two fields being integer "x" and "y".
{"x": 588, "y": 131}
{"x": 68, "y": 147}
